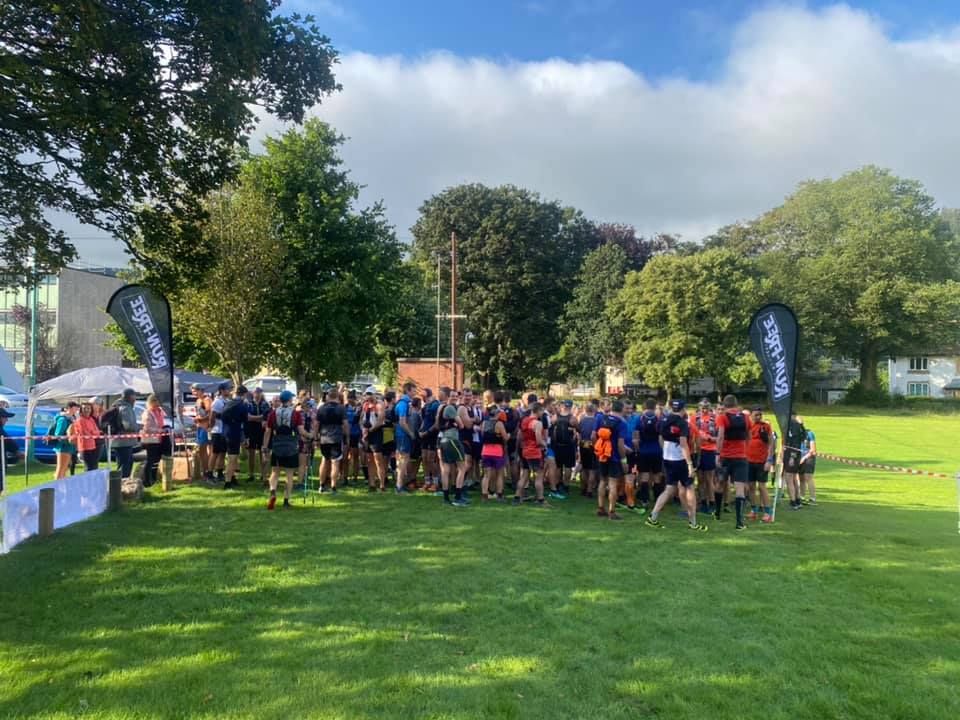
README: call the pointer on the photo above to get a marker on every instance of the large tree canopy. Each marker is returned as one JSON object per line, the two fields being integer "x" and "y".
{"x": 110, "y": 109}
{"x": 518, "y": 256}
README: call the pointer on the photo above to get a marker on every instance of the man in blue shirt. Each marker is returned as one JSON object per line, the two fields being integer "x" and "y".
{"x": 611, "y": 442}
{"x": 404, "y": 435}
{"x": 428, "y": 441}
{"x": 648, "y": 457}
{"x": 628, "y": 496}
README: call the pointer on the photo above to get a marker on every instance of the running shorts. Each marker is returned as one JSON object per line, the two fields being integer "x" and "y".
{"x": 756, "y": 473}
{"x": 451, "y": 451}
{"x": 676, "y": 472}
{"x": 588, "y": 460}
{"x": 708, "y": 460}
{"x": 566, "y": 456}
{"x": 735, "y": 469}
{"x": 649, "y": 463}
{"x": 809, "y": 467}
{"x": 331, "y": 451}
{"x": 219, "y": 444}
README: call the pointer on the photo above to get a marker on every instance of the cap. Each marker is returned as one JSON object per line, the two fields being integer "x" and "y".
{"x": 704, "y": 402}
{"x": 286, "y": 396}
{"x": 241, "y": 389}
{"x": 757, "y": 408}
{"x": 370, "y": 390}
{"x": 676, "y": 405}
{"x": 127, "y": 392}
{"x": 568, "y": 403}
{"x": 225, "y": 385}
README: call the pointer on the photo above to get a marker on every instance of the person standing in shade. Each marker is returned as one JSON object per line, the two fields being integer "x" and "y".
{"x": 218, "y": 442}
{"x": 428, "y": 441}
{"x": 332, "y": 430}
{"x": 588, "y": 460}
{"x": 705, "y": 426}
{"x": 233, "y": 419}
{"x": 283, "y": 435}
{"x": 533, "y": 446}
{"x": 678, "y": 468}
{"x": 404, "y": 436}
{"x": 493, "y": 453}
{"x": 257, "y": 413}
{"x": 761, "y": 451}
{"x": 733, "y": 430}
{"x": 792, "y": 457}
{"x": 415, "y": 421}
{"x": 452, "y": 453}
{"x": 648, "y": 455}
{"x": 352, "y": 410}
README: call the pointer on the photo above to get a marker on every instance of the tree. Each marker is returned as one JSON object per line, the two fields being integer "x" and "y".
{"x": 854, "y": 255}
{"x": 517, "y": 258}
{"x": 50, "y": 351}
{"x": 639, "y": 250}
{"x": 340, "y": 270}
{"x": 126, "y": 115}
{"x": 591, "y": 337}
{"x": 688, "y": 316}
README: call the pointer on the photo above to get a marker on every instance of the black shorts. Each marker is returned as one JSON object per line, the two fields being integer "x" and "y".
{"x": 735, "y": 470}
{"x": 254, "y": 433}
{"x": 791, "y": 461}
{"x": 234, "y": 443}
{"x": 707, "y": 460}
{"x": 611, "y": 469}
{"x": 354, "y": 442}
{"x": 219, "y": 444}
{"x": 676, "y": 472}
{"x": 809, "y": 467}
{"x": 290, "y": 462}
{"x": 649, "y": 463}
{"x": 511, "y": 448}
{"x": 331, "y": 451}
{"x": 476, "y": 451}
{"x": 588, "y": 459}
{"x": 534, "y": 464}
{"x": 387, "y": 448}
{"x": 756, "y": 473}
{"x": 416, "y": 450}
{"x": 566, "y": 456}
{"x": 429, "y": 441}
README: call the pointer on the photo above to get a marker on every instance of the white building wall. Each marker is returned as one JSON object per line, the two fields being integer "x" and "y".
{"x": 939, "y": 372}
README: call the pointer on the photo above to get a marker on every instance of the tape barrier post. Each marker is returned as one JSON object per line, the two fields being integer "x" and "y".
{"x": 116, "y": 491}
{"x": 45, "y": 515}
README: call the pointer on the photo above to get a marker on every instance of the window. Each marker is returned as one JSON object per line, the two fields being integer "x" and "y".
{"x": 915, "y": 389}
{"x": 918, "y": 364}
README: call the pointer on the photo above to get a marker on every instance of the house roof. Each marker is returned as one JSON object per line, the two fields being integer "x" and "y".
{"x": 953, "y": 384}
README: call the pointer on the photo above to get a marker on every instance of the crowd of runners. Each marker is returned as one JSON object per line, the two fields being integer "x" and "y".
{"x": 712, "y": 459}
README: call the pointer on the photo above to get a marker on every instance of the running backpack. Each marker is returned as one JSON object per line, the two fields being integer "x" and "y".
{"x": 603, "y": 447}
{"x": 285, "y": 442}
{"x": 561, "y": 434}
{"x": 511, "y": 421}
{"x": 649, "y": 426}
{"x": 234, "y": 411}
{"x": 110, "y": 422}
{"x": 737, "y": 426}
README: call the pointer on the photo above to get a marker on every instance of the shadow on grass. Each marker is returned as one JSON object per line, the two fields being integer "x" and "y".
{"x": 203, "y": 605}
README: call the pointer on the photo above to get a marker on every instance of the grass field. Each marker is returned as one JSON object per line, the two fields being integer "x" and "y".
{"x": 200, "y": 604}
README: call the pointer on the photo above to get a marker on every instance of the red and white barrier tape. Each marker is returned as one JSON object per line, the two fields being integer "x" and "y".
{"x": 891, "y": 468}
{"x": 68, "y": 438}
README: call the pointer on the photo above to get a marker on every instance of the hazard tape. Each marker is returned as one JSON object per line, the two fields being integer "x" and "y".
{"x": 68, "y": 438}
{"x": 890, "y": 468}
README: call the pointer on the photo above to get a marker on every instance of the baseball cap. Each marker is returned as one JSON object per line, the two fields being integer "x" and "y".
{"x": 225, "y": 385}
{"x": 286, "y": 396}
{"x": 677, "y": 404}
{"x": 241, "y": 389}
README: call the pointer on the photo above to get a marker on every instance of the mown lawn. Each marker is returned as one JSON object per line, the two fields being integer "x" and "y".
{"x": 200, "y": 604}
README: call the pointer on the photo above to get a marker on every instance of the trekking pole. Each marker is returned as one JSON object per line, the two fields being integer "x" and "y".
{"x": 776, "y": 493}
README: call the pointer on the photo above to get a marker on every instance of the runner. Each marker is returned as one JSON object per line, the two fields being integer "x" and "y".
{"x": 611, "y": 447}
{"x": 512, "y": 425}
{"x": 533, "y": 445}
{"x": 218, "y": 443}
{"x": 428, "y": 441}
{"x": 283, "y": 433}
{"x": 678, "y": 467}
{"x": 84, "y": 433}
{"x": 404, "y": 436}
{"x": 257, "y": 417}
{"x": 415, "y": 421}
{"x": 201, "y": 421}
{"x": 452, "y": 455}
{"x": 808, "y": 466}
{"x": 588, "y": 460}
{"x": 494, "y": 452}
{"x": 649, "y": 455}
{"x": 761, "y": 451}
{"x": 388, "y": 444}
{"x": 332, "y": 431}
{"x": 356, "y": 433}
{"x": 65, "y": 450}
{"x": 706, "y": 443}
{"x": 308, "y": 411}
{"x": 233, "y": 419}
{"x": 563, "y": 442}
{"x": 792, "y": 458}
{"x": 465, "y": 412}
{"x": 733, "y": 430}
{"x": 372, "y": 440}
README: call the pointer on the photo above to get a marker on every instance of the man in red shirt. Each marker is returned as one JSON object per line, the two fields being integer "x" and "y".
{"x": 761, "y": 449}
{"x": 282, "y": 436}
{"x": 733, "y": 429}
{"x": 705, "y": 425}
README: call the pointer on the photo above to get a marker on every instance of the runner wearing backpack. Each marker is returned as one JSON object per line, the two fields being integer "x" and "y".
{"x": 705, "y": 425}
{"x": 588, "y": 460}
{"x": 649, "y": 455}
{"x": 678, "y": 467}
{"x": 218, "y": 443}
{"x": 331, "y": 429}
{"x": 533, "y": 445}
{"x": 563, "y": 441}
{"x": 610, "y": 447}
{"x": 233, "y": 418}
{"x": 404, "y": 436}
{"x": 452, "y": 452}
{"x": 733, "y": 430}
{"x": 283, "y": 435}
{"x": 494, "y": 438}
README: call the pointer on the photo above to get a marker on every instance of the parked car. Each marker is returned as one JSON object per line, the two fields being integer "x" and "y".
{"x": 271, "y": 385}
{"x": 13, "y": 398}
{"x": 43, "y": 418}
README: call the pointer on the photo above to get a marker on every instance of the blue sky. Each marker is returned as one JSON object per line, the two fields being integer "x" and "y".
{"x": 672, "y": 116}
{"x": 663, "y": 38}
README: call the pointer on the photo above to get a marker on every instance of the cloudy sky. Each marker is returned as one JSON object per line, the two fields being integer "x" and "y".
{"x": 677, "y": 121}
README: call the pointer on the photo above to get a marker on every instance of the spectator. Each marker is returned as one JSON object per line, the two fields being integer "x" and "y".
{"x": 84, "y": 433}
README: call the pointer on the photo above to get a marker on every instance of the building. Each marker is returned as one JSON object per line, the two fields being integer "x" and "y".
{"x": 429, "y": 372}
{"x": 72, "y": 304}
{"x": 933, "y": 375}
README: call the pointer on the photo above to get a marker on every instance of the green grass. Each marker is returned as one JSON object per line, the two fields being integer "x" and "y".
{"x": 200, "y": 604}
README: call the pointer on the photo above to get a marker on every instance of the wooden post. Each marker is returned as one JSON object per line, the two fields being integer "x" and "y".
{"x": 46, "y": 511}
{"x": 196, "y": 474}
{"x": 167, "y": 474}
{"x": 116, "y": 494}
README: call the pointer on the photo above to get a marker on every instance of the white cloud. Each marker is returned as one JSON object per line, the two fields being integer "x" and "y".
{"x": 802, "y": 94}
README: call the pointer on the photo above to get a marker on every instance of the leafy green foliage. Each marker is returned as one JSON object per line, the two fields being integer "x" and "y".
{"x": 517, "y": 258}
{"x": 126, "y": 115}
{"x": 687, "y": 317}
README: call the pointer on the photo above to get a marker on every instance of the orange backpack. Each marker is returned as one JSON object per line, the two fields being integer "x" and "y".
{"x": 603, "y": 447}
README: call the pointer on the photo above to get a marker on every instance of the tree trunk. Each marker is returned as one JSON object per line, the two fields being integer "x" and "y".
{"x": 868, "y": 369}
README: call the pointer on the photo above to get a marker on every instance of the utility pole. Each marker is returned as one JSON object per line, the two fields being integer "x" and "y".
{"x": 438, "y": 321}
{"x": 453, "y": 307}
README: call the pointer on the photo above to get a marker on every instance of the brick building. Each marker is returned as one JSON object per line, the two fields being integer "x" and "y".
{"x": 426, "y": 372}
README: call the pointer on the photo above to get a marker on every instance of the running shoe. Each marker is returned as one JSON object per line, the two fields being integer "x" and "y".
{"x": 614, "y": 516}
{"x": 272, "y": 502}
{"x": 641, "y": 510}
{"x": 554, "y": 495}
{"x": 804, "y": 501}
{"x": 740, "y": 527}
{"x": 752, "y": 515}
{"x": 459, "y": 502}
{"x": 812, "y": 501}
{"x": 698, "y": 527}
{"x": 286, "y": 504}
{"x": 438, "y": 493}
{"x": 402, "y": 491}
{"x": 601, "y": 512}
{"x": 795, "y": 506}
{"x": 767, "y": 518}
{"x": 231, "y": 485}
{"x": 517, "y": 500}
{"x": 653, "y": 522}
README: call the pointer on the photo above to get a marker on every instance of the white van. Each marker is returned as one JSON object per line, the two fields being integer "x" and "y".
{"x": 272, "y": 385}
